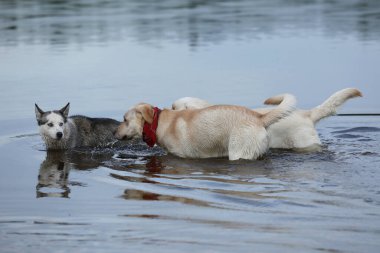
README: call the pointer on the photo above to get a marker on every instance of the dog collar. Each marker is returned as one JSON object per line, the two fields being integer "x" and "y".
{"x": 149, "y": 130}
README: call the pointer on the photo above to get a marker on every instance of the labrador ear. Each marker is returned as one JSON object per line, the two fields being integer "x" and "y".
{"x": 38, "y": 111}
{"x": 146, "y": 111}
{"x": 65, "y": 110}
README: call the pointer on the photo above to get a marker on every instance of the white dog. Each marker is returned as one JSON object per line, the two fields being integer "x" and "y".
{"x": 215, "y": 131}
{"x": 297, "y": 131}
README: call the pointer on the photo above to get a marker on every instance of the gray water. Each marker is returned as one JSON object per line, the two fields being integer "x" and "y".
{"x": 105, "y": 56}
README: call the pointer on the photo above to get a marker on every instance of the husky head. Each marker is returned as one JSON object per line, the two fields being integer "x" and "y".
{"x": 52, "y": 123}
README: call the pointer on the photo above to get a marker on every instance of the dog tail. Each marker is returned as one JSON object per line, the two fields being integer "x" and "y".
{"x": 286, "y": 105}
{"x": 330, "y": 106}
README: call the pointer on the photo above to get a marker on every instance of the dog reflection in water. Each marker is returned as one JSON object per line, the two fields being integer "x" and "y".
{"x": 53, "y": 176}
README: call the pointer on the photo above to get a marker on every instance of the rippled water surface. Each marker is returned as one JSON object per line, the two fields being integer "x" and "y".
{"x": 105, "y": 56}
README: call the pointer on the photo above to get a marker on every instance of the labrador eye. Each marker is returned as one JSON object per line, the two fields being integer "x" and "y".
{"x": 61, "y": 124}
{"x": 50, "y": 124}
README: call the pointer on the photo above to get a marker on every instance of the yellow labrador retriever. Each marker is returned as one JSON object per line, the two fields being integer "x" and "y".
{"x": 215, "y": 131}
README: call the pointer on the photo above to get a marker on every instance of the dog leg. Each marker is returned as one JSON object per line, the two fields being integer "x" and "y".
{"x": 247, "y": 143}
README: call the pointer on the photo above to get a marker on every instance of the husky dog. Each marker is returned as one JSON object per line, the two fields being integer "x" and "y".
{"x": 297, "y": 131}
{"x": 62, "y": 132}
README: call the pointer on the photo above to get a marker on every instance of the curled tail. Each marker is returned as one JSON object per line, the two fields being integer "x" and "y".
{"x": 286, "y": 105}
{"x": 330, "y": 106}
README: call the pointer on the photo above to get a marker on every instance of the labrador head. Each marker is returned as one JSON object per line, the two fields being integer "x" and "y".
{"x": 133, "y": 123}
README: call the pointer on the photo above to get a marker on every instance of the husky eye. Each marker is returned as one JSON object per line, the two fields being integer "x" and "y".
{"x": 61, "y": 124}
{"x": 50, "y": 124}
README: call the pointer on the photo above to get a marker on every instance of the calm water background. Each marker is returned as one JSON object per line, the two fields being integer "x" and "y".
{"x": 105, "y": 56}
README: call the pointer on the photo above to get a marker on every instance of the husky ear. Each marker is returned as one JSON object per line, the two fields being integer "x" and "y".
{"x": 65, "y": 110}
{"x": 38, "y": 111}
{"x": 146, "y": 111}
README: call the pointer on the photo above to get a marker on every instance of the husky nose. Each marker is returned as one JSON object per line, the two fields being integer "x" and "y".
{"x": 59, "y": 135}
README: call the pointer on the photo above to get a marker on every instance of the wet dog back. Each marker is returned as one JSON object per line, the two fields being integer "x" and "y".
{"x": 93, "y": 132}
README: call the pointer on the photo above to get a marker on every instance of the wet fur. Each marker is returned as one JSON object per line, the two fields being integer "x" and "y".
{"x": 297, "y": 131}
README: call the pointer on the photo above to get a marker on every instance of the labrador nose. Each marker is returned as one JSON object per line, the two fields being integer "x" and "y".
{"x": 59, "y": 135}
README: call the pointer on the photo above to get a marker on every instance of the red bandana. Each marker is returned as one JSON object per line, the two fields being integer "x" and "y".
{"x": 149, "y": 130}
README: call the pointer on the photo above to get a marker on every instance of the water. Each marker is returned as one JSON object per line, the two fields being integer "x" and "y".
{"x": 105, "y": 56}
